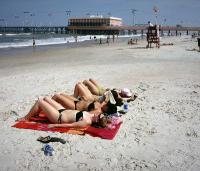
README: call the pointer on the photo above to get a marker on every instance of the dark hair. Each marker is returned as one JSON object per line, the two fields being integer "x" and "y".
{"x": 119, "y": 101}
{"x": 91, "y": 107}
{"x": 102, "y": 122}
{"x": 111, "y": 108}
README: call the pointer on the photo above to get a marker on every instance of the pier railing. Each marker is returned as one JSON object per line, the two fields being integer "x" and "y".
{"x": 32, "y": 29}
{"x": 82, "y": 30}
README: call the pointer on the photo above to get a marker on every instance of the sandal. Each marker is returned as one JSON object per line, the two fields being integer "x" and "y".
{"x": 51, "y": 139}
{"x": 44, "y": 139}
{"x": 55, "y": 139}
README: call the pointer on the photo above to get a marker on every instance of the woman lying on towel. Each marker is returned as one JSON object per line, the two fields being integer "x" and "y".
{"x": 70, "y": 102}
{"x": 84, "y": 100}
{"x": 61, "y": 117}
{"x": 119, "y": 94}
{"x": 87, "y": 92}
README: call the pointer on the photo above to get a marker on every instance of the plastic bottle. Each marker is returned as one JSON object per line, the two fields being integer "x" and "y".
{"x": 125, "y": 106}
{"x": 48, "y": 150}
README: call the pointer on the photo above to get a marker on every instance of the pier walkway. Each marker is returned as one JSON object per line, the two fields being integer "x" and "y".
{"x": 95, "y": 30}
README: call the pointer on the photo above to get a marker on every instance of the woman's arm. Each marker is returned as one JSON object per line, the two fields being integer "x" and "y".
{"x": 96, "y": 98}
{"x": 79, "y": 124}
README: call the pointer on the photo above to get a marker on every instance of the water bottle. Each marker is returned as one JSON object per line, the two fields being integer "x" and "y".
{"x": 125, "y": 107}
{"x": 48, "y": 150}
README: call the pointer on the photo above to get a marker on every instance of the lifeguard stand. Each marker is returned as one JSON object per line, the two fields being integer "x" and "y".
{"x": 153, "y": 36}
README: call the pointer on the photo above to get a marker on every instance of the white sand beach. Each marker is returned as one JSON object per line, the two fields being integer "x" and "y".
{"x": 161, "y": 131}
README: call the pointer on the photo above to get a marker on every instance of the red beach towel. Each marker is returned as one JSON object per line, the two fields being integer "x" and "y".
{"x": 41, "y": 123}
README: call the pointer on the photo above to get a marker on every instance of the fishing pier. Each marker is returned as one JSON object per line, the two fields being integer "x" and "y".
{"x": 98, "y": 30}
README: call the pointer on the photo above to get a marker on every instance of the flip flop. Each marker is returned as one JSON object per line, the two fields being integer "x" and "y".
{"x": 44, "y": 139}
{"x": 51, "y": 139}
{"x": 55, "y": 139}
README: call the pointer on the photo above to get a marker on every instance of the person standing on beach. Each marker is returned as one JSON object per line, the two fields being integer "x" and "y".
{"x": 76, "y": 38}
{"x": 198, "y": 40}
{"x": 100, "y": 41}
{"x": 113, "y": 38}
{"x": 107, "y": 40}
{"x": 34, "y": 42}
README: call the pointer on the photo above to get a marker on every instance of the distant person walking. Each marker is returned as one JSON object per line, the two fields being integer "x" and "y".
{"x": 100, "y": 41}
{"x": 198, "y": 40}
{"x": 76, "y": 38}
{"x": 113, "y": 38}
{"x": 95, "y": 38}
{"x": 34, "y": 42}
{"x": 107, "y": 40}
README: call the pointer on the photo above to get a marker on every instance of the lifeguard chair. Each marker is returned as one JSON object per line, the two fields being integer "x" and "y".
{"x": 153, "y": 36}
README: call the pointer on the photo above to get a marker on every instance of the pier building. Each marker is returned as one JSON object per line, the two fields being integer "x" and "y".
{"x": 94, "y": 25}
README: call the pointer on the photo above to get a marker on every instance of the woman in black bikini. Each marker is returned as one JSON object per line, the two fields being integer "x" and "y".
{"x": 73, "y": 103}
{"x": 84, "y": 100}
{"x": 61, "y": 117}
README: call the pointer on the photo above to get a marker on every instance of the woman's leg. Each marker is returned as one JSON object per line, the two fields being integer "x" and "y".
{"x": 92, "y": 87}
{"x": 35, "y": 110}
{"x": 50, "y": 108}
{"x": 71, "y": 97}
{"x": 76, "y": 90}
{"x": 82, "y": 91}
{"x": 51, "y": 112}
{"x": 64, "y": 101}
{"x": 53, "y": 103}
{"x": 95, "y": 82}
{"x": 101, "y": 89}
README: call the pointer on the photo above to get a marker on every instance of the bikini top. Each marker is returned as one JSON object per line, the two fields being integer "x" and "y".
{"x": 91, "y": 107}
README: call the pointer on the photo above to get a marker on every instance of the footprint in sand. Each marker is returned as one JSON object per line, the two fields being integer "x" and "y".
{"x": 143, "y": 87}
{"x": 151, "y": 131}
{"x": 142, "y": 164}
{"x": 81, "y": 165}
{"x": 191, "y": 133}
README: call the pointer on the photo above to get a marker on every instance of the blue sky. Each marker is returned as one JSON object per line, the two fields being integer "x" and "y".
{"x": 53, "y": 12}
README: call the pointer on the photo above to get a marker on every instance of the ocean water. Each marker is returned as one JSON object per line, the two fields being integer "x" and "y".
{"x": 26, "y": 39}
{"x": 9, "y": 40}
